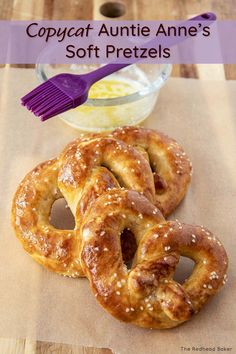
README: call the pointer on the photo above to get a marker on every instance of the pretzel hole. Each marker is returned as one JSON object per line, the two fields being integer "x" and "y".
{"x": 128, "y": 247}
{"x": 159, "y": 182}
{"x": 61, "y": 216}
{"x": 117, "y": 177}
{"x": 183, "y": 270}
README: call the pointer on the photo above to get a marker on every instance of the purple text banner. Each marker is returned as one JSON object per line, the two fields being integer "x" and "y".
{"x": 96, "y": 42}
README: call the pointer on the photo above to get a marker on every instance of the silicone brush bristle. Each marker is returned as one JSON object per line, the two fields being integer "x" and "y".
{"x": 47, "y": 100}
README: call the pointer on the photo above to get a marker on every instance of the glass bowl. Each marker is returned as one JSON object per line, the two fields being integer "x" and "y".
{"x": 99, "y": 113}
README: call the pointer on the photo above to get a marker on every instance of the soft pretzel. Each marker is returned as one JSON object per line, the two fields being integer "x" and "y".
{"x": 169, "y": 162}
{"x": 55, "y": 249}
{"x": 87, "y": 168}
{"x": 171, "y": 168}
{"x": 116, "y": 160}
{"x": 79, "y": 176}
{"x": 146, "y": 295}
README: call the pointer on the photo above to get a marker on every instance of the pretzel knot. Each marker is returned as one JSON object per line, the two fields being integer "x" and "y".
{"x": 170, "y": 165}
{"x": 147, "y": 295}
{"x": 87, "y": 168}
{"x": 80, "y": 177}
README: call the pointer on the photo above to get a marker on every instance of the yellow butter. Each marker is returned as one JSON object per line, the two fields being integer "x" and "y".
{"x": 108, "y": 117}
{"x": 112, "y": 88}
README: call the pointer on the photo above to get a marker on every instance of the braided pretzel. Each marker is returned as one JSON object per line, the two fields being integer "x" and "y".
{"x": 171, "y": 167}
{"x": 147, "y": 295}
{"x": 79, "y": 175}
{"x": 31, "y": 208}
{"x": 82, "y": 159}
{"x": 80, "y": 178}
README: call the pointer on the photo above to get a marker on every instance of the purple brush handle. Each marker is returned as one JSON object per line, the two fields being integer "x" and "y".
{"x": 104, "y": 71}
{"x": 108, "y": 69}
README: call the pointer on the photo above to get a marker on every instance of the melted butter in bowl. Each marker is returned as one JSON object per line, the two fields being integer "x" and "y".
{"x": 107, "y": 117}
{"x": 111, "y": 88}
{"x": 123, "y": 98}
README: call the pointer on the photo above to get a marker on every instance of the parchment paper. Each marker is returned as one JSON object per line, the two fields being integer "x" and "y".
{"x": 40, "y": 305}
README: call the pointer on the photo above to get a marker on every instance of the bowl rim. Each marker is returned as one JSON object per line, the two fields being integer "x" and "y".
{"x": 163, "y": 75}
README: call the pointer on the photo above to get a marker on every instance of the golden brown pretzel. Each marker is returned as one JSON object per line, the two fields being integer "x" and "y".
{"x": 79, "y": 176}
{"x": 114, "y": 159}
{"x": 170, "y": 164}
{"x": 87, "y": 168}
{"x": 31, "y": 208}
{"x": 147, "y": 295}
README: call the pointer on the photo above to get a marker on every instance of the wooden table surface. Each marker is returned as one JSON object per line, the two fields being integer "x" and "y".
{"x": 131, "y": 9}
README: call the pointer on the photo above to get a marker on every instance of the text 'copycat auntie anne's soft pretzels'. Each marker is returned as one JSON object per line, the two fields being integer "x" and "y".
{"x": 86, "y": 169}
{"x": 121, "y": 183}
